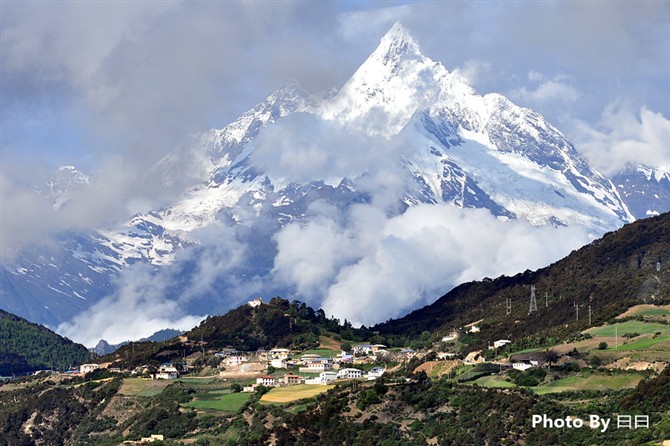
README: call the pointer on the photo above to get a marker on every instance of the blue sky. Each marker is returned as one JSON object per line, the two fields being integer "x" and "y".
{"x": 111, "y": 86}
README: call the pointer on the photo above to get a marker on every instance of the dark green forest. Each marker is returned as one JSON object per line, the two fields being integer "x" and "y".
{"x": 26, "y": 347}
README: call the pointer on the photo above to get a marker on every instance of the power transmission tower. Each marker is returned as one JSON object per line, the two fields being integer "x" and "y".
{"x": 576, "y": 310}
{"x": 589, "y": 315}
{"x": 533, "y": 300}
{"x": 508, "y": 306}
{"x": 546, "y": 300}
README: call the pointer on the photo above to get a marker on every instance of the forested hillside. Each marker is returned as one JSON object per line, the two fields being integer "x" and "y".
{"x": 26, "y": 347}
{"x": 277, "y": 323}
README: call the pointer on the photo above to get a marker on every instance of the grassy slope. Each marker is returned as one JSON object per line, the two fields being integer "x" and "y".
{"x": 293, "y": 393}
{"x": 629, "y": 327}
{"x": 591, "y": 382}
{"x": 231, "y": 402}
{"x": 142, "y": 387}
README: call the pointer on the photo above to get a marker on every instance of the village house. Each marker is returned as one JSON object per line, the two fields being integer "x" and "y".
{"x": 362, "y": 349}
{"x": 87, "y": 368}
{"x": 167, "y": 372}
{"x": 521, "y": 366}
{"x": 343, "y": 358}
{"x": 318, "y": 365}
{"x": 152, "y": 438}
{"x": 499, "y": 343}
{"x": 266, "y": 380}
{"x": 278, "y": 363}
{"x": 535, "y": 359}
{"x": 323, "y": 378}
{"x": 349, "y": 373}
{"x": 364, "y": 360}
{"x": 235, "y": 360}
{"x": 450, "y": 337}
{"x": 280, "y": 353}
{"x": 225, "y": 352}
{"x": 250, "y": 388}
{"x": 375, "y": 372}
{"x": 291, "y": 379}
{"x": 141, "y": 370}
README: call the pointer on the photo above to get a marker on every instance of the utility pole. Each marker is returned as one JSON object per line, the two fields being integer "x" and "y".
{"x": 533, "y": 300}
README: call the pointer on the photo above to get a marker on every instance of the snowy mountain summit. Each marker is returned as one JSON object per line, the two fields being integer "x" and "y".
{"x": 402, "y": 132}
{"x": 450, "y": 145}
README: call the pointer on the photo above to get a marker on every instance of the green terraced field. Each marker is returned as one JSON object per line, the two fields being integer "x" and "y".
{"x": 654, "y": 312}
{"x": 143, "y": 386}
{"x": 591, "y": 382}
{"x": 492, "y": 381}
{"x": 646, "y": 343}
{"x": 231, "y": 402}
{"x": 323, "y": 352}
{"x": 629, "y": 327}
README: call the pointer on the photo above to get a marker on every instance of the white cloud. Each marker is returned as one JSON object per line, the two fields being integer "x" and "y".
{"x": 138, "y": 309}
{"x": 147, "y": 299}
{"x": 310, "y": 254}
{"x": 545, "y": 92}
{"x": 371, "y": 24}
{"x": 373, "y": 267}
{"x": 28, "y": 218}
{"x": 475, "y": 71}
{"x": 303, "y": 147}
{"x": 624, "y": 136}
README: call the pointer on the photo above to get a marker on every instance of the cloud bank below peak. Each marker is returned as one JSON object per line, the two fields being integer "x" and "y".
{"x": 625, "y": 136}
{"x": 372, "y": 267}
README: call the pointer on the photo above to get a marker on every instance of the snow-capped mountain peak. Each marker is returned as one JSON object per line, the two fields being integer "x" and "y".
{"x": 397, "y": 44}
{"x": 287, "y": 161}
{"x": 63, "y": 184}
{"x": 646, "y": 189}
{"x": 389, "y": 86}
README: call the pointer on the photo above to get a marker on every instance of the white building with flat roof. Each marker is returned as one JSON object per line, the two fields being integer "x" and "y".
{"x": 318, "y": 365}
{"x": 349, "y": 373}
{"x": 266, "y": 380}
{"x": 87, "y": 368}
{"x": 323, "y": 378}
